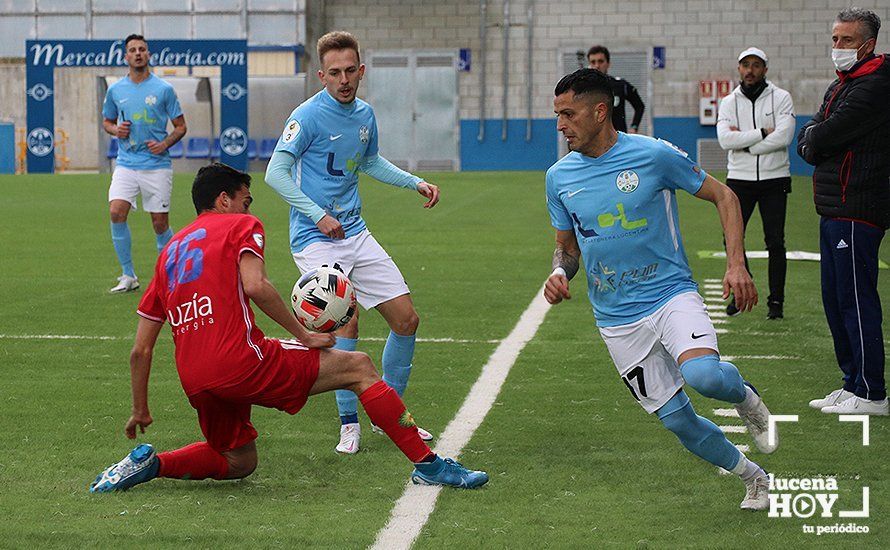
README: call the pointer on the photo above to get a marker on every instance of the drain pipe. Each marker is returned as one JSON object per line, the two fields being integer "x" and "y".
{"x": 530, "y": 13}
{"x": 483, "y": 17}
{"x": 506, "y": 68}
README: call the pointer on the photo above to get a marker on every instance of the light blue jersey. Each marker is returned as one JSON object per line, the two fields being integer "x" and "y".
{"x": 148, "y": 106}
{"x": 623, "y": 210}
{"x": 330, "y": 140}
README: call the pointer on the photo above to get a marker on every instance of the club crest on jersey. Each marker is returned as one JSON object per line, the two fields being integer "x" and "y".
{"x": 150, "y": 100}
{"x": 258, "y": 239}
{"x": 291, "y": 131}
{"x": 364, "y": 134}
{"x": 627, "y": 181}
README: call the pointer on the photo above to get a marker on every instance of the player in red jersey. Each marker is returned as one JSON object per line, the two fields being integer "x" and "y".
{"x": 203, "y": 282}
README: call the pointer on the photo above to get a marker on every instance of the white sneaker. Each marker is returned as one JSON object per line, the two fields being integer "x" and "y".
{"x": 350, "y": 436}
{"x": 125, "y": 284}
{"x": 756, "y": 494}
{"x": 832, "y": 398}
{"x": 755, "y": 415}
{"x": 424, "y": 435}
{"x": 858, "y": 405}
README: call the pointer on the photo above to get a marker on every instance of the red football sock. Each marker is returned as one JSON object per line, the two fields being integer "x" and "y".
{"x": 387, "y": 411}
{"x": 195, "y": 461}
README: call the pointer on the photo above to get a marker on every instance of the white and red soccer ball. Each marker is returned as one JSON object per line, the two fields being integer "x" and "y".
{"x": 323, "y": 299}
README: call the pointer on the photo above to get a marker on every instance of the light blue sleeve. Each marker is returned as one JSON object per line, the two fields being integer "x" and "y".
{"x": 278, "y": 176}
{"x": 173, "y": 108}
{"x": 677, "y": 169}
{"x": 298, "y": 133}
{"x": 372, "y": 149}
{"x": 559, "y": 216}
{"x": 109, "y": 108}
{"x": 382, "y": 170}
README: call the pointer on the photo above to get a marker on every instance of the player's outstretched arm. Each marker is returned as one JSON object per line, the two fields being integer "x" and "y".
{"x": 258, "y": 288}
{"x": 386, "y": 172}
{"x": 140, "y": 367}
{"x": 566, "y": 259}
{"x": 737, "y": 278}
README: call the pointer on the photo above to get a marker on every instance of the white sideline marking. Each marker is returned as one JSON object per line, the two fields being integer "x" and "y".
{"x": 713, "y": 286}
{"x": 743, "y": 448}
{"x": 88, "y": 337}
{"x": 414, "y": 507}
{"x": 729, "y": 413}
{"x": 757, "y": 357}
{"x": 714, "y": 293}
{"x": 733, "y": 429}
{"x": 719, "y": 321}
{"x": 713, "y": 281}
{"x": 717, "y": 314}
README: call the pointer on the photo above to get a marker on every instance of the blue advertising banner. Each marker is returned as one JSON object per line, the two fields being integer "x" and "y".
{"x": 44, "y": 56}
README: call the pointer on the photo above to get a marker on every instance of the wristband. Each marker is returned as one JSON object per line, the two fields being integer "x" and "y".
{"x": 559, "y": 271}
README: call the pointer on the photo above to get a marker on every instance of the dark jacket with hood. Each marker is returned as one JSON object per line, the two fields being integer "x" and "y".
{"x": 848, "y": 141}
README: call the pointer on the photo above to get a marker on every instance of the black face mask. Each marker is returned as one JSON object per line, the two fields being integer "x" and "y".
{"x": 753, "y": 91}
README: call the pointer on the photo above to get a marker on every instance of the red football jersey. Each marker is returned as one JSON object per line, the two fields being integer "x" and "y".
{"x": 197, "y": 289}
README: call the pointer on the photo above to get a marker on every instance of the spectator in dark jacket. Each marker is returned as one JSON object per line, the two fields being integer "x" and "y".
{"x": 598, "y": 58}
{"x": 848, "y": 141}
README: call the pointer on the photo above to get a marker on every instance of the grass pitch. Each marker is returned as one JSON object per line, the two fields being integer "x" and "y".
{"x": 574, "y": 461}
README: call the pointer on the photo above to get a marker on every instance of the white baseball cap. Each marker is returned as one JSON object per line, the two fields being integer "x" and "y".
{"x": 756, "y": 52}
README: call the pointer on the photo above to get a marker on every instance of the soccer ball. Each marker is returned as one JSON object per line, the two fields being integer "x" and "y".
{"x": 323, "y": 299}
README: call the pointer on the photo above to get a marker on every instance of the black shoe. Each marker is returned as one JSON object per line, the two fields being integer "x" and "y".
{"x": 731, "y": 309}
{"x": 775, "y": 310}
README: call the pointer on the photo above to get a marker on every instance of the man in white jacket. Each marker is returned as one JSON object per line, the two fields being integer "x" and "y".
{"x": 756, "y": 125}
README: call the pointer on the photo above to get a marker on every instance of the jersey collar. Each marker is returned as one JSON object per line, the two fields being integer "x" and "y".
{"x": 329, "y": 99}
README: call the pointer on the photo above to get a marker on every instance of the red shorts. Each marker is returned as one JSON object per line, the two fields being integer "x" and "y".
{"x": 281, "y": 381}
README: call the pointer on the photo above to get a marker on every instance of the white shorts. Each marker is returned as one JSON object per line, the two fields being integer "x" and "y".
{"x": 154, "y": 185}
{"x": 646, "y": 352}
{"x": 373, "y": 273}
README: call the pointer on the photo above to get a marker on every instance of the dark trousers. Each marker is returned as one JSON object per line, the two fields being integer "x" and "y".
{"x": 852, "y": 303}
{"x": 772, "y": 198}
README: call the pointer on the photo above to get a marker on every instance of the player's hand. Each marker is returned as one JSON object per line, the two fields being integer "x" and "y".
{"x": 156, "y": 147}
{"x": 318, "y": 339}
{"x": 331, "y": 227}
{"x": 123, "y": 129}
{"x": 769, "y": 131}
{"x": 556, "y": 289}
{"x": 738, "y": 281}
{"x": 733, "y": 128}
{"x": 633, "y": 131}
{"x": 429, "y": 191}
{"x": 141, "y": 420}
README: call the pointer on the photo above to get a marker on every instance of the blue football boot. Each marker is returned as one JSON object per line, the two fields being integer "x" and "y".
{"x": 447, "y": 472}
{"x": 139, "y": 466}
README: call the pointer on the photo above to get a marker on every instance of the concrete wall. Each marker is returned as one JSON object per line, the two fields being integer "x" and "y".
{"x": 702, "y": 40}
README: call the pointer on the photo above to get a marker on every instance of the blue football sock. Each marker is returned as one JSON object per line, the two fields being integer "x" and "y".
{"x": 120, "y": 238}
{"x": 347, "y": 401}
{"x": 397, "y": 355}
{"x": 714, "y": 378}
{"x": 164, "y": 238}
{"x": 701, "y": 436}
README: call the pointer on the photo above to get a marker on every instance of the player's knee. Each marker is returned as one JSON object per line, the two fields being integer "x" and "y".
{"x": 408, "y": 324}
{"x": 363, "y": 367}
{"x": 118, "y": 215}
{"x": 241, "y": 466}
{"x": 703, "y": 374}
{"x": 159, "y": 226}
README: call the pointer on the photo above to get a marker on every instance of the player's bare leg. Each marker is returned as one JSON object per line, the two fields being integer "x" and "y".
{"x": 120, "y": 238}
{"x": 398, "y": 353}
{"x": 160, "y": 223}
{"x": 356, "y": 372}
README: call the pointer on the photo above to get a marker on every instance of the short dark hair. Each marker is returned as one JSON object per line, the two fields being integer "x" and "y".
{"x": 214, "y": 179}
{"x": 599, "y": 49}
{"x": 587, "y": 81}
{"x": 869, "y": 19}
{"x": 134, "y": 37}
{"x": 337, "y": 40}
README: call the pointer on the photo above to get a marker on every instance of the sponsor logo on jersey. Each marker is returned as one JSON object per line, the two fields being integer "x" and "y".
{"x": 627, "y": 181}
{"x": 364, "y": 134}
{"x": 291, "y": 131}
{"x": 150, "y": 100}
{"x": 606, "y": 279}
{"x": 191, "y": 315}
{"x": 258, "y": 239}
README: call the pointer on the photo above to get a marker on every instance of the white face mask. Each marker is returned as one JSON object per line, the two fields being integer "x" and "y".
{"x": 844, "y": 59}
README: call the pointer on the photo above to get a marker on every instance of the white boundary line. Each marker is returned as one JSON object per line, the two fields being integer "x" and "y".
{"x": 414, "y": 507}
{"x": 90, "y": 337}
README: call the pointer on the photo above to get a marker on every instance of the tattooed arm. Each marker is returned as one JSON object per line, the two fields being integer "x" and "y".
{"x": 565, "y": 265}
